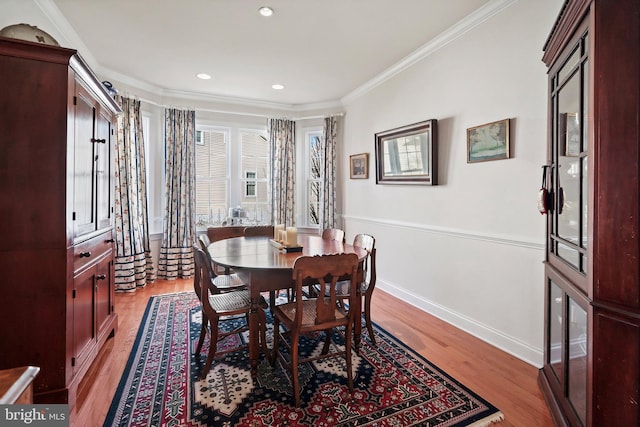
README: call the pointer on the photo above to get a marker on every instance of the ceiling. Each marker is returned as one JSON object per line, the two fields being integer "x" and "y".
{"x": 320, "y": 50}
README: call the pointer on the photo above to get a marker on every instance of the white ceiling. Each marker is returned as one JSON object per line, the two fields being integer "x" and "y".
{"x": 321, "y": 50}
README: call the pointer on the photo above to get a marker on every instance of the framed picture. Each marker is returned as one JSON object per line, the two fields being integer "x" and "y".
{"x": 572, "y": 134}
{"x": 488, "y": 142}
{"x": 408, "y": 154}
{"x": 359, "y": 166}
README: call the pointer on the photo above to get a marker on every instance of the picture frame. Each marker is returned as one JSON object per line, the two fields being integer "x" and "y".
{"x": 359, "y": 166}
{"x": 572, "y": 132}
{"x": 489, "y": 141}
{"x": 408, "y": 154}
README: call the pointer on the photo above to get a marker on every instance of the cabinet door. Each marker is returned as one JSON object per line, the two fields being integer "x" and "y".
{"x": 104, "y": 170}
{"x": 84, "y": 164}
{"x": 104, "y": 280}
{"x": 83, "y": 316}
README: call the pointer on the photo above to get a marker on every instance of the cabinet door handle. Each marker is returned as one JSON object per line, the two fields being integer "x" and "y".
{"x": 85, "y": 254}
{"x": 109, "y": 241}
{"x": 101, "y": 277}
{"x": 102, "y": 141}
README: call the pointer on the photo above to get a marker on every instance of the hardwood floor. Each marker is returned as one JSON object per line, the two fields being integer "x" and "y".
{"x": 505, "y": 381}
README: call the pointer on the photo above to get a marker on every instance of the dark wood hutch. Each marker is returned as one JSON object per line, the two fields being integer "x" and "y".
{"x": 56, "y": 207}
{"x": 591, "y": 372}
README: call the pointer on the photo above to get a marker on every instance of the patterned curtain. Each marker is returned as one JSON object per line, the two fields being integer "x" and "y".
{"x": 176, "y": 253}
{"x": 133, "y": 261}
{"x": 282, "y": 136}
{"x": 328, "y": 173}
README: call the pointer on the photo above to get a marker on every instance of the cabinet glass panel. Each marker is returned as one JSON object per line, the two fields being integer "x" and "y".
{"x": 585, "y": 107}
{"x": 568, "y": 182}
{"x": 555, "y": 350}
{"x": 577, "y": 362}
{"x": 569, "y": 254}
{"x": 568, "y": 66}
{"x": 568, "y": 225}
{"x": 585, "y": 203}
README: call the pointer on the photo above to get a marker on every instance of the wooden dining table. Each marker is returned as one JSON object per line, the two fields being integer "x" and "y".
{"x": 266, "y": 268}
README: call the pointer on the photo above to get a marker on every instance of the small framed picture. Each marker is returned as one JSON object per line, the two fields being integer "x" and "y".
{"x": 488, "y": 142}
{"x": 572, "y": 134}
{"x": 359, "y": 166}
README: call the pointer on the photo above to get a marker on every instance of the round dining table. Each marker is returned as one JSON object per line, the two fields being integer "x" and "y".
{"x": 264, "y": 266}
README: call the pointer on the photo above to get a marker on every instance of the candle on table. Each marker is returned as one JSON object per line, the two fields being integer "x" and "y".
{"x": 282, "y": 236}
{"x": 292, "y": 236}
{"x": 276, "y": 231}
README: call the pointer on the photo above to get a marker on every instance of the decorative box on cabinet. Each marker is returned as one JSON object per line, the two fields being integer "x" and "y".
{"x": 591, "y": 371}
{"x": 56, "y": 203}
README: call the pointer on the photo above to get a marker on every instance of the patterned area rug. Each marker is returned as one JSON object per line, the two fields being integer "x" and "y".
{"x": 393, "y": 385}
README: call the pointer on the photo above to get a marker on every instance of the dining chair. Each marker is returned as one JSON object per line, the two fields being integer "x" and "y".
{"x": 333, "y": 234}
{"x": 223, "y": 281}
{"x": 304, "y": 316}
{"x": 259, "y": 230}
{"x": 204, "y": 240}
{"x": 221, "y": 307}
{"x": 368, "y": 284}
{"x": 367, "y": 242}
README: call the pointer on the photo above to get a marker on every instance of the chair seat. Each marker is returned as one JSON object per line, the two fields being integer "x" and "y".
{"x": 230, "y": 302}
{"x": 227, "y": 282}
{"x": 308, "y": 314}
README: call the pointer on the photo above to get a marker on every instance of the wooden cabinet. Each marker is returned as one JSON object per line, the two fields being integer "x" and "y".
{"x": 591, "y": 372}
{"x": 56, "y": 205}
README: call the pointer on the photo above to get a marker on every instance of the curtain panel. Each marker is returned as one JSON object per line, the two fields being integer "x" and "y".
{"x": 282, "y": 136}
{"x": 328, "y": 172}
{"x": 133, "y": 262}
{"x": 176, "y": 253}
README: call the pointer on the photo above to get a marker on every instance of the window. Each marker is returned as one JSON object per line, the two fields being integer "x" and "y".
{"x": 211, "y": 177}
{"x": 250, "y": 184}
{"x": 256, "y": 176}
{"x": 314, "y": 174}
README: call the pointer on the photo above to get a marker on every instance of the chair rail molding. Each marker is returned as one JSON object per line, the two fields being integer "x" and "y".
{"x": 519, "y": 241}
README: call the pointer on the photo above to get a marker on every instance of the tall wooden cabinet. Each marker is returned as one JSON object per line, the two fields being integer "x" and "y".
{"x": 56, "y": 215}
{"x": 591, "y": 373}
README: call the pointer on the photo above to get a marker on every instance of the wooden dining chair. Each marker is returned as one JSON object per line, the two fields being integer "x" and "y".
{"x": 222, "y": 281}
{"x": 220, "y": 307}
{"x": 368, "y": 284}
{"x": 367, "y": 242}
{"x": 333, "y": 234}
{"x": 305, "y": 316}
{"x": 259, "y": 230}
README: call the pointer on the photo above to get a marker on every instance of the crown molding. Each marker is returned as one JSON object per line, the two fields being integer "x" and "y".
{"x": 63, "y": 26}
{"x": 476, "y": 18}
{"x": 485, "y": 12}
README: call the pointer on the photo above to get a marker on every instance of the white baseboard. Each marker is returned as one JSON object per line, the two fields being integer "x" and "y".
{"x": 511, "y": 345}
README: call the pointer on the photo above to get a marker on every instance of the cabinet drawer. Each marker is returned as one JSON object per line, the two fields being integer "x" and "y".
{"x": 86, "y": 252}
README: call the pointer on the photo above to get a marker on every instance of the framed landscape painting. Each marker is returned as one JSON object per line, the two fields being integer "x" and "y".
{"x": 488, "y": 142}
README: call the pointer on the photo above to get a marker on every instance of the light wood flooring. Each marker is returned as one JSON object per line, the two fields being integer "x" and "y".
{"x": 507, "y": 382}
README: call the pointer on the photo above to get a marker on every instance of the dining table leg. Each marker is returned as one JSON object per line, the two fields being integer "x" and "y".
{"x": 258, "y": 282}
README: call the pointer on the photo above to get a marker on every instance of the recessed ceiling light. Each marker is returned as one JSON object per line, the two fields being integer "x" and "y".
{"x": 203, "y": 76}
{"x": 277, "y": 87}
{"x": 265, "y": 11}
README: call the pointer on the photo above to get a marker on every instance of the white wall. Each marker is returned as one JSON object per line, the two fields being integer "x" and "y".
{"x": 470, "y": 249}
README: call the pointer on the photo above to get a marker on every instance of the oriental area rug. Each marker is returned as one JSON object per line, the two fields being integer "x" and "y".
{"x": 393, "y": 385}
